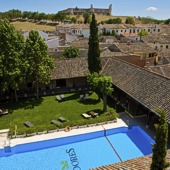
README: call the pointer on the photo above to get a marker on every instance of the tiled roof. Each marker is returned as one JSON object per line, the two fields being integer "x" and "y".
{"x": 165, "y": 55}
{"x": 74, "y": 26}
{"x": 108, "y": 53}
{"x": 130, "y": 35}
{"x": 115, "y": 26}
{"x": 142, "y": 163}
{"x": 104, "y": 38}
{"x": 165, "y": 26}
{"x": 150, "y": 89}
{"x": 163, "y": 38}
{"x": 134, "y": 47}
{"x": 81, "y": 43}
{"x": 163, "y": 70}
{"x": 69, "y": 68}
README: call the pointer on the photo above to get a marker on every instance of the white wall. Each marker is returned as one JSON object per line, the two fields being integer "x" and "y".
{"x": 42, "y": 34}
{"x": 54, "y": 43}
{"x": 86, "y": 33}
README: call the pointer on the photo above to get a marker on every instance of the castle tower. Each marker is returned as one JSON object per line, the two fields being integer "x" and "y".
{"x": 110, "y": 9}
{"x": 91, "y": 9}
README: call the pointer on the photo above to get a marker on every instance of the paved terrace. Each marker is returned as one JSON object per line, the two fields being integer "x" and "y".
{"x": 60, "y": 134}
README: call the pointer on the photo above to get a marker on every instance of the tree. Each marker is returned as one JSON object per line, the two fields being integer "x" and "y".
{"x": 160, "y": 146}
{"x": 12, "y": 14}
{"x": 167, "y": 21}
{"x": 94, "y": 61}
{"x": 114, "y": 33}
{"x": 102, "y": 83}
{"x": 71, "y": 52}
{"x": 60, "y": 16}
{"x": 86, "y": 17}
{"x": 12, "y": 62}
{"x": 129, "y": 20}
{"x": 40, "y": 63}
{"x": 142, "y": 33}
{"x": 74, "y": 20}
{"x": 114, "y": 21}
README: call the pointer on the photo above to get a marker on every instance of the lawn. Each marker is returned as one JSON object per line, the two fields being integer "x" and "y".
{"x": 41, "y": 112}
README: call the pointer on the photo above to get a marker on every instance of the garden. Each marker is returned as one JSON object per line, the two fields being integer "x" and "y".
{"x": 41, "y": 111}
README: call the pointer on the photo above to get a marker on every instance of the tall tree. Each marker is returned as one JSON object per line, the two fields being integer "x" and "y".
{"x": 94, "y": 61}
{"x": 40, "y": 63}
{"x": 160, "y": 146}
{"x": 12, "y": 63}
{"x": 71, "y": 52}
{"x": 103, "y": 84}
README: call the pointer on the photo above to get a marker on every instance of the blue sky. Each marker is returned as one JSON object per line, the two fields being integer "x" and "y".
{"x": 159, "y": 9}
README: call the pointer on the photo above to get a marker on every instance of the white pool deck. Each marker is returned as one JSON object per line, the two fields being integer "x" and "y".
{"x": 60, "y": 134}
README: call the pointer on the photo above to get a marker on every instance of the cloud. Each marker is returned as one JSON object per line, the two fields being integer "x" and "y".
{"x": 152, "y": 9}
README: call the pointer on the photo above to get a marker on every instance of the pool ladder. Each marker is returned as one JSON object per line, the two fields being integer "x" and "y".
{"x": 129, "y": 124}
{"x": 7, "y": 147}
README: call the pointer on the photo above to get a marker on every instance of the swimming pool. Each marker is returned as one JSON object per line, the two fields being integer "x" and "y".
{"x": 79, "y": 152}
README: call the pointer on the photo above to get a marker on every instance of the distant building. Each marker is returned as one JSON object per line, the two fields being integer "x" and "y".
{"x": 131, "y": 36}
{"x": 80, "y": 11}
{"x": 74, "y": 29}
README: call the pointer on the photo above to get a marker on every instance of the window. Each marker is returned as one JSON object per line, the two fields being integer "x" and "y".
{"x": 166, "y": 46}
{"x": 61, "y": 83}
{"x": 116, "y": 30}
{"x": 121, "y": 30}
{"x": 154, "y": 30}
{"x": 148, "y": 30}
{"x": 158, "y": 30}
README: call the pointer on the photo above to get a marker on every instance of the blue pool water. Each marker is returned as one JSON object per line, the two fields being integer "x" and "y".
{"x": 79, "y": 152}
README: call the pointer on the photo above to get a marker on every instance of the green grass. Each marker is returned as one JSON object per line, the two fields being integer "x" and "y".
{"x": 41, "y": 112}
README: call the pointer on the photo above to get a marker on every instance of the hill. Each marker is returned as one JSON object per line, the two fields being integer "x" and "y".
{"x": 27, "y": 26}
{"x": 30, "y": 25}
{"x": 100, "y": 18}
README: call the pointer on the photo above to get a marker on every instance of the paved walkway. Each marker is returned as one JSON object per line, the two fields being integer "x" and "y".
{"x": 60, "y": 134}
{"x": 125, "y": 120}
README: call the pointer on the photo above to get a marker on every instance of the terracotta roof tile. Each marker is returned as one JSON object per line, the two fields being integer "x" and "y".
{"x": 133, "y": 47}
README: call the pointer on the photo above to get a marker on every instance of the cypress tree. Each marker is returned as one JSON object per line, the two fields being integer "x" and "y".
{"x": 94, "y": 62}
{"x": 160, "y": 146}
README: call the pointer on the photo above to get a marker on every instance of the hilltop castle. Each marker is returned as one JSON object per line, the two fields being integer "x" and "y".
{"x": 80, "y": 11}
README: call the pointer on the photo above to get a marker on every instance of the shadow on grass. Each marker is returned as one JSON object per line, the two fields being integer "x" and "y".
{"x": 74, "y": 96}
{"x": 29, "y": 103}
{"x": 89, "y": 101}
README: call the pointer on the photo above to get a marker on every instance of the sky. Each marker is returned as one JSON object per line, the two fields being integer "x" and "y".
{"x": 158, "y": 9}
